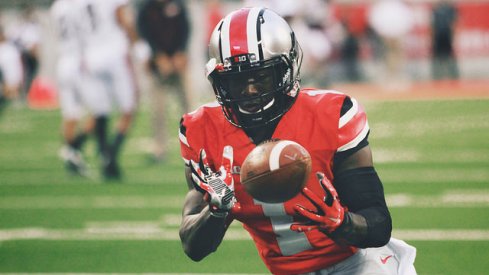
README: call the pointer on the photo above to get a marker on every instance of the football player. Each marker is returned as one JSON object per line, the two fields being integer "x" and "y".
{"x": 339, "y": 223}
{"x": 108, "y": 35}
{"x": 70, "y": 80}
{"x": 10, "y": 67}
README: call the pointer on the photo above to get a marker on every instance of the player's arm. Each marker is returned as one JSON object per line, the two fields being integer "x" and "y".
{"x": 125, "y": 19}
{"x": 207, "y": 204}
{"x": 200, "y": 232}
{"x": 367, "y": 222}
{"x": 361, "y": 218}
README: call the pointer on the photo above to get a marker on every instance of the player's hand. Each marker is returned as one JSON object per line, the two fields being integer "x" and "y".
{"x": 218, "y": 186}
{"x": 329, "y": 213}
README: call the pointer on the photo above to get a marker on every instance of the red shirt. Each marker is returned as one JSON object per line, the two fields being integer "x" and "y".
{"x": 314, "y": 122}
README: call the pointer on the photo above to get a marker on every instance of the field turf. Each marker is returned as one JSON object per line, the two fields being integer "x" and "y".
{"x": 432, "y": 155}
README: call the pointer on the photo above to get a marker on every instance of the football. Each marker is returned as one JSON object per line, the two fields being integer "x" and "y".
{"x": 275, "y": 171}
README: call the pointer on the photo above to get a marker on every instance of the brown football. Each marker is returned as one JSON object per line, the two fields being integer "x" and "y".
{"x": 275, "y": 171}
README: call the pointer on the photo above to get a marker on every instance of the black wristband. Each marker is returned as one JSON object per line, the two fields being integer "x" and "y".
{"x": 352, "y": 231}
{"x": 361, "y": 191}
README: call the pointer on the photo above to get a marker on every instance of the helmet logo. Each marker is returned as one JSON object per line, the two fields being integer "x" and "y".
{"x": 286, "y": 76}
{"x": 240, "y": 58}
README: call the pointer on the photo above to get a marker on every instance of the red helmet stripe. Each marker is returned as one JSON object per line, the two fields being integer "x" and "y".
{"x": 238, "y": 37}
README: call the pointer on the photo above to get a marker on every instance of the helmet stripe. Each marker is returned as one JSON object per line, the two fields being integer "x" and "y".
{"x": 251, "y": 30}
{"x": 237, "y": 32}
{"x": 240, "y": 29}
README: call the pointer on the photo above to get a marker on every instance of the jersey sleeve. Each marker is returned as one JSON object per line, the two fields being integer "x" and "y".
{"x": 188, "y": 153}
{"x": 353, "y": 128}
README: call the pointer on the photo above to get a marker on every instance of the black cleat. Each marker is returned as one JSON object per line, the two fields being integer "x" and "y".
{"x": 111, "y": 171}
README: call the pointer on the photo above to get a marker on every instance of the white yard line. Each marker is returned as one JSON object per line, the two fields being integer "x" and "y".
{"x": 234, "y": 233}
{"x": 451, "y": 198}
{"x": 83, "y": 202}
{"x": 166, "y": 228}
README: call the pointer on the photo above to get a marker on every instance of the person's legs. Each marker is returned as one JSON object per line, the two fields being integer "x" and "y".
{"x": 124, "y": 91}
{"x": 183, "y": 85}
{"x": 158, "y": 119}
{"x": 73, "y": 137}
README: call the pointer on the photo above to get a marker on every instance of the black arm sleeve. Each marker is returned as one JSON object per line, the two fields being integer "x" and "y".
{"x": 368, "y": 222}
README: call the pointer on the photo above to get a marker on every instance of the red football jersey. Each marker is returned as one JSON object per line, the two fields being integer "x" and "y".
{"x": 314, "y": 122}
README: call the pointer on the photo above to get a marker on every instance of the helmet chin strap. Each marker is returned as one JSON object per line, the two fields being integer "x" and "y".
{"x": 261, "y": 109}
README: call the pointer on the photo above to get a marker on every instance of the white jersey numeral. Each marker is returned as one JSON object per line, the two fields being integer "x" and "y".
{"x": 290, "y": 242}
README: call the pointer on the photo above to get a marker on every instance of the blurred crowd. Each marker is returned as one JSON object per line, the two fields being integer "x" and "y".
{"x": 110, "y": 53}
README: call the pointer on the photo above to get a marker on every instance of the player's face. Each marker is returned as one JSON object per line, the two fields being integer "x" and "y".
{"x": 248, "y": 88}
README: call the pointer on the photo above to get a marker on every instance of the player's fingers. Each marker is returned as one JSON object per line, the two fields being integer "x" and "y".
{"x": 308, "y": 214}
{"x": 227, "y": 177}
{"x": 197, "y": 177}
{"x": 207, "y": 197}
{"x": 195, "y": 169}
{"x": 204, "y": 162}
{"x": 199, "y": 185}
{"x": 330, "y": 192}
{"x": 313, "y": 197}
{"x": 328, "y": 186}
{"x": 324, "y": 182}
{"x": 236, "y": 209}
{"x": 320, "y": 176}
{"x": 297, "y": 227}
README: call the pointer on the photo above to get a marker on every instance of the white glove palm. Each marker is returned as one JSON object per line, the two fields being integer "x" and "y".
{"x": 218, "y": 186}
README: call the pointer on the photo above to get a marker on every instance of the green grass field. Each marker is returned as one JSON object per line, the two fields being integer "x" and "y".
{"x": 433, "y": 157}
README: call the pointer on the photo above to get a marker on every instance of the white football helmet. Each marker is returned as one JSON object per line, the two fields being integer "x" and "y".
{"x": 254, "y": 47}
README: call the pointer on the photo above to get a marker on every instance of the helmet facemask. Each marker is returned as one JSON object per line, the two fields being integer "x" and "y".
{"x": 254, "y": 95}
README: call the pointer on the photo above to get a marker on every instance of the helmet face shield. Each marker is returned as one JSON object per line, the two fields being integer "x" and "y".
{"x": 253, "y": 95}
{"x": 252, "y": 88}
{"x": 250, "y": 83}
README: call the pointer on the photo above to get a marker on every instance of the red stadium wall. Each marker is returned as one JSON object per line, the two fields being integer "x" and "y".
{"x": 472, "y": 28}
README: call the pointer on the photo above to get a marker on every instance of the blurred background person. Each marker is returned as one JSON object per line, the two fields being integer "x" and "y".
{"x": 108, "y": 36}
{"x": 392, "y": 20}
{"x": 27, "y": 35}
{"x": 310, "y": 19}
{"x": 214, "y": 13}
{"x": 165, "y": 26}
{"x": 10, "y": 68}
{"x": 350, "y": 54}
{"x": 70, "y": 80}
{"x": 311, "y": 23}
{"x": 443, "y": 20}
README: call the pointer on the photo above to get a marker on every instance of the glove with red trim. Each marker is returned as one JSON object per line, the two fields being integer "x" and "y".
{"x": 218, "y": 187}
{"x": 329, "y": 213}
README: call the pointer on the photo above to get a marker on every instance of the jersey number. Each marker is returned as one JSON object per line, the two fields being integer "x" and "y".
{"x": 290, "y": 242}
